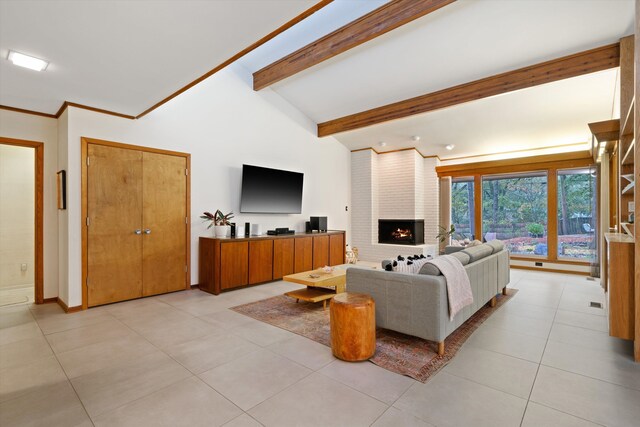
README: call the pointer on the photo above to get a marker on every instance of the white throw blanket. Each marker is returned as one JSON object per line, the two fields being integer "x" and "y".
{"x": 459, "y": 291}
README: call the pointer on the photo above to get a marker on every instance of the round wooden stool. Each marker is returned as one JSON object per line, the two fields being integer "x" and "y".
{"x": 353, "y": 326}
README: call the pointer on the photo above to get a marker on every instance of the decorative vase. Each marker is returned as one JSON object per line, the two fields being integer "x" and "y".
{"x": 220, "y": 230}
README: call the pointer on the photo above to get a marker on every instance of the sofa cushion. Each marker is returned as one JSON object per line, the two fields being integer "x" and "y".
{"x": 462, "y": 257}
{"x": 386, "y": 262}
{"x": 497, "y": 245}
{"x": 478, "y": 252}
{"x": 432, "y": 270}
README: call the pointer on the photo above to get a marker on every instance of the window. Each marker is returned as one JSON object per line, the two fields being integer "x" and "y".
{"x": 462, "y": 207}
{"x": 576, "y": 219}
{"x": 514, "y": 209}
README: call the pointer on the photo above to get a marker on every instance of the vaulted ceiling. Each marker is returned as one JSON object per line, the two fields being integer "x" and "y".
{"x": 127, "y": 56}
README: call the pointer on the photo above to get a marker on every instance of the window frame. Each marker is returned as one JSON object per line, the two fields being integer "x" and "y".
{"x": 572, "y": 260}
{"x": 550, "y": 164}
{"x": 537, "y": 173}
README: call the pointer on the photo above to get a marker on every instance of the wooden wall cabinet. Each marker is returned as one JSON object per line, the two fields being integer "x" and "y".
{"x": 231, "y": 263}
{"x": 235, "y": 255}
{"x": 260, "y": 261}
{"x": 620, "y": 287}
{"x": 320, "y": 251}
{"x": 336, "y": 249}
{"x": 303, "y": 257}
{"x": 283, "y": 257}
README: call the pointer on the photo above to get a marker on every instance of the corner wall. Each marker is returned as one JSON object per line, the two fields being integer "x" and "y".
{"x": 17, "y": 219}
{"x": 41, "y": 129}
{"x": 394, "y": 185}
{"x": 223, "y": 123}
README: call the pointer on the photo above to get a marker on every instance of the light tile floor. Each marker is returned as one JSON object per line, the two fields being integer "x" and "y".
{"x": 543, "y": 359}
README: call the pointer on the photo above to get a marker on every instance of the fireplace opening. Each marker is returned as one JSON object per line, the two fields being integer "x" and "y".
{"x": 401, "y": 231}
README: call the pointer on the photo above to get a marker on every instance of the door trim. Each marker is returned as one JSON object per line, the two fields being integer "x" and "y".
{"x": 38, "y": 274}
{"x": 84, "y": 146}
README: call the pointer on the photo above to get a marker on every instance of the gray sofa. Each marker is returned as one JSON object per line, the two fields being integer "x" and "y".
{"x": 416, "y": 304}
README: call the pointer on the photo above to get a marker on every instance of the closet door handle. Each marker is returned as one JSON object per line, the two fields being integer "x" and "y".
{"x": 147, "y": 231}
{"x": 137, "y": 231}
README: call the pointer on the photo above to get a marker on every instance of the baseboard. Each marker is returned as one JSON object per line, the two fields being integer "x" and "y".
{"x": 49, "y": 300}
{"x": 550, "y": 270}
{"x": 68, "y": 309}
{"x": 196, "y": 286}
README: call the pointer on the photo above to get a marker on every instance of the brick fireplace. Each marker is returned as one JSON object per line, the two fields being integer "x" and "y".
{"x": 400, "y": 184}
{"x": 401, "y": 231}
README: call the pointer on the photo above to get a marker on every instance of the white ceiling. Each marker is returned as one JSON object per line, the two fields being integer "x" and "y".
{"x": 543, "y": 116}
{"x": 464, "y": 41}
{"x": 125, "y": 56}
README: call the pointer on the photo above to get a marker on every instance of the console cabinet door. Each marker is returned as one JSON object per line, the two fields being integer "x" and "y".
{"x": 336, "y": 249}
{"x": 234, "y": 264}
{"x": 303, "y": 258}
{"x": 320, "y": 251}
{"x": 260, "y": 261}
{"x": 283, "y": 250}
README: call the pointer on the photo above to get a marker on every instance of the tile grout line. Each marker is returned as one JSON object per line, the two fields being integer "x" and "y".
{"x": 524, "y": 414}
{"x": 141, "y": 397}
{"x": 193, "y": 375}
{"x": 488, "y": 386}
{"x": 571, "y": 415}
{"x": 591, "y": 378}
{"x": 65, "y": 374}
{"x": 219, "y": 392}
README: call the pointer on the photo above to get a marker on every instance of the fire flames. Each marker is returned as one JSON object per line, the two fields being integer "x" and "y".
{"x": 401, "y": 233}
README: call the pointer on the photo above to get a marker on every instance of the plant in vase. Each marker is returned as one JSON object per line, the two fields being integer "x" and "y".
{"x": 444, "y": 234}
{"x": 219, "y": 222}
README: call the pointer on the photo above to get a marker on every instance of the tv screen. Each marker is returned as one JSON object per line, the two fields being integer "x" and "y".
{"x": 267, "y": 190}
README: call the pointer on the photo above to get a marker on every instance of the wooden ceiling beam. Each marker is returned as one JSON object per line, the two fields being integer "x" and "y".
{"x": 388, "y": 17}
{"x": 598, "y": 59}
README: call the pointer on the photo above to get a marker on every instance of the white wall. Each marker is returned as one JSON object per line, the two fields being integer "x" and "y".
{"x": 41, "y": 129}
{"x": 17, "y": 215}
{"x": 223, "y": 123}
{"x": 395, "y": 185}
{"x": 63, "y": 215}
{"x": 397, "y": 175}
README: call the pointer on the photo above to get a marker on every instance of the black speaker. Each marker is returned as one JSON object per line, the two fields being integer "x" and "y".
{"x": 319, "y": 223}
{"x": 247, "y": 229}
{"x": 233, "y": 229}
{"x": 307, "y": 227}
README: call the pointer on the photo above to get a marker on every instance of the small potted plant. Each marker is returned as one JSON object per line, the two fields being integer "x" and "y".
{"x": 444, "y": 234}
{"x": 219, "y": 222}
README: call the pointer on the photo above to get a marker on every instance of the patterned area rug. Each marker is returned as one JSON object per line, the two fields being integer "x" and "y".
{"x": 396, "y": 352}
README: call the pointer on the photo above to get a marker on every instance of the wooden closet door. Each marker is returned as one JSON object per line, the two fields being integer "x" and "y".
{"x": 114, "y": 208}
{"x": 164, "y": 248}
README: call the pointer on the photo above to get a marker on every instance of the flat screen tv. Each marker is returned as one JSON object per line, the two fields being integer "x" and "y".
{"x": 266, "y": 190}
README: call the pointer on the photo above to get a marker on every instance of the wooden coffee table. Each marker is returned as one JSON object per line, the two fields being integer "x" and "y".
{"x": 321, "y": 286}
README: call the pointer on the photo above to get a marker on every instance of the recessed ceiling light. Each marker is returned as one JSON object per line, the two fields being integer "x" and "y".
{"x": 382, "y": 144}
{"x": 449, "y": 147}
{"x": 26, "y": 61}
{"x": 415, "y": 138}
